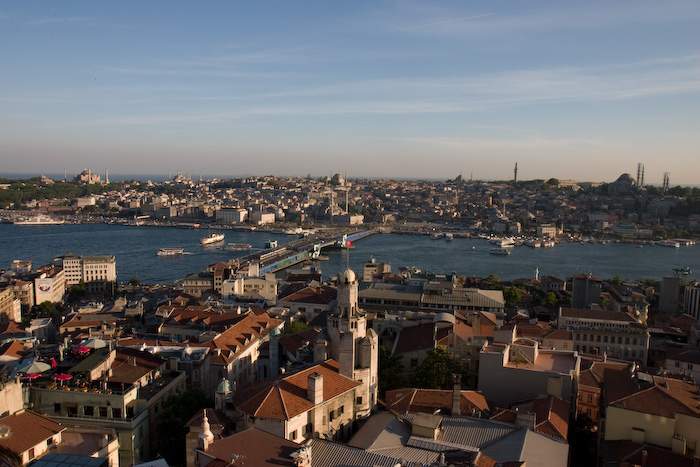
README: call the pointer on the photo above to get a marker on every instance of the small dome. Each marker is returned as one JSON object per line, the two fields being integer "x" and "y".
{"x": 348, "y": 276}
{"x": 224, "y": 386}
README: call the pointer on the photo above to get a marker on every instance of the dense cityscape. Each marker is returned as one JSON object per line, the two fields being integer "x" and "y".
{"x": 265, "y": 359}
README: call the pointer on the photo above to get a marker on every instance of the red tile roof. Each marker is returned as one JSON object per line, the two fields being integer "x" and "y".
{"x": 286, "y": 397}
{"x": 253, "y": 447}
{"x": 582, "y": 313}
{"x": 412, "y": 400}
{"x": 27, "y": 429}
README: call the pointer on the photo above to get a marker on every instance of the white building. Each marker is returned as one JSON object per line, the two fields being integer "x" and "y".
{"x": 260, "y": 218}
{"x": 95, "y": 271}
{"x": 232, "y": 216}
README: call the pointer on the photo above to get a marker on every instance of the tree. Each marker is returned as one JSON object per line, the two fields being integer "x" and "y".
{"x": 171, "y": 432}
{"x": 134, "y": 281}
{"x": 390, "y": 371}
{"x": 435, "y": 372}
{"x": 78, "y": 291}
{"x": 512, "y": 296}
{"x": 493, "y": 278}
{"x": 47, "y": 308}
{"x": 295, "y": 326}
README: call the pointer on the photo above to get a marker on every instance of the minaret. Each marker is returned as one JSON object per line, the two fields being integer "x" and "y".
{"x": 515, "y": 173}
{"x": 206, "y": 437}
{"x": 106, "y": 176}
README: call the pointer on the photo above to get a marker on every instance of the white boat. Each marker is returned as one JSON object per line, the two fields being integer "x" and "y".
{"x": 499, "y": 251}
{"x": 503, "y": 242}
{"x": 669, "y": 243}
{"x": 170, "y": 252}
{"x": 212, "y": 238}
{"x": 39, "y": 220}
{"x": 239, "y": 246}
{"x": 449, "y": 236}
{"x": 533, "y": 243}
{"x": 270, "y": 244}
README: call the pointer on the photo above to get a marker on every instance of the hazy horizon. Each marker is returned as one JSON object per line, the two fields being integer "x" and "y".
{"x": 403, "y": 90}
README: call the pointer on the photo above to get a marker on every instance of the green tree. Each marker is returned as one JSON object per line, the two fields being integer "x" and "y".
{"x": 390, "y": 371}
{"x": 493, "y": 278}
{"x": 512, "y": 296}
{"x": 47, "y": 308}
{"x": 435, "y": 372}
{"x": 171, "y": 431}
{"x": 616, "y": 280}
{"x": 295, "y": 326}
{"x": 78, "y": 291}
{"x": 134, "y": 281}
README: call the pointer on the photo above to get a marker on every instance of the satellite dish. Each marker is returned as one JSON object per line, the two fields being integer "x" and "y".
{"x": 5, "y": 431}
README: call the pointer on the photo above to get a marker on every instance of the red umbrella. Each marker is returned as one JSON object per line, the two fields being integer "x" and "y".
{"x": 62, "y": 377}
{"x": 83, "y": 349}
{"x": 54, "y": 364}
{"x": 31, "y": 375}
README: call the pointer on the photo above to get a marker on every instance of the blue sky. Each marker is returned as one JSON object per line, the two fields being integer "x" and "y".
{"x": 424, "y": 89}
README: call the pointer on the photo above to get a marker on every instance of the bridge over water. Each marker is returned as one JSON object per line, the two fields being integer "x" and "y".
{"x": 276, "y": 258}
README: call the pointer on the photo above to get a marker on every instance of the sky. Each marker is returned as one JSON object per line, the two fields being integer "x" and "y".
{"x": 381, "y": 89}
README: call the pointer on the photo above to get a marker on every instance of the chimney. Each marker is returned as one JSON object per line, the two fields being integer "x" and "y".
{"x": 525, "y": 419}
{"x": 456, "y": 393}
{"x": 315, "y": 390}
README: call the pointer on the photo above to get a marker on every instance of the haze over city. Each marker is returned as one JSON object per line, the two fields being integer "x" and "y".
{"x": 382, "y": 89}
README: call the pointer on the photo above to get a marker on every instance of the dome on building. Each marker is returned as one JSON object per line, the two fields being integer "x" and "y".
{"x": 348, "y": 276}
{"x": 224, "y": 386}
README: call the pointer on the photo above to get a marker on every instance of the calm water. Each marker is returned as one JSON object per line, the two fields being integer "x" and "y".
{"x": 135, "y": 249}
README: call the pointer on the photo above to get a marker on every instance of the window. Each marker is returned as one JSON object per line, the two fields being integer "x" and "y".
{"x": 677, "y": 365}
{"x": 590, "y": 398}
{"x": 117, "y": 413}
{"x": 72, "y": 410}
{"x": 103, "y": 412}
{"x": 293, "y": 435}
{"x": 359, "y": 400}
{"x": 414, "y": 362}
{"x": 57, "y": 405}
{"x": 331, "y": 415}
{"x": 341, "y": 409}
{"x": 89, "y": 410}
{"x": 30, "y": 454}
{"x": 195, "y": 375}
{"x": 308, "y": 428}
{"x": 690, "y": 366}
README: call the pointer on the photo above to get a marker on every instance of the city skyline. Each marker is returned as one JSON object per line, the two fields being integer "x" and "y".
{"x": 383, "y": 90}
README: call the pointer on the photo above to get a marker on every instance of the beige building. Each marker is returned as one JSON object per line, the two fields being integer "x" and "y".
{"x": 125, "y": 391}
{"x": 95, "y": 271}
{"x": 512, "y": 372}
{"x": 651, "y": 409}
{"x": 599, "y": 332}
{"x": 50, "y": 285}
{"x": 315, "y": 402}
{"x": 10, "y": 307}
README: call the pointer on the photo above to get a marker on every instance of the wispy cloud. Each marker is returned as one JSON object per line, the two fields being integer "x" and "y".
{"x": 57, "y": 19}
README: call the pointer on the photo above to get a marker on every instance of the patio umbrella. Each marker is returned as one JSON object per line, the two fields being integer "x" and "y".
{"x": 62, "y": 377}
{"x": 32, "y": 366}
{"x": 31, "y": 375}
{"x": 94, "y": 343}
{"x": 83, "y": 349}
{"x": 54, "y": 363}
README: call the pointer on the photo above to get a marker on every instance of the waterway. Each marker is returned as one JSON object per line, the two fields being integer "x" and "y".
{"x": 135, "y": 249}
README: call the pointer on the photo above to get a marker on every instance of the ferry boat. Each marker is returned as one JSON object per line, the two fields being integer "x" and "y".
{"x": 499, "y": 251}
{"x": 449, "y": 236}
{"x": 669, "y": 243}
{"x": 39, "y": 220}
{"x": 503, "y": 242}
{"x": 212, "y": 238}
{"x": 170, "y": 252}
{"x": 239, "y": 246}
